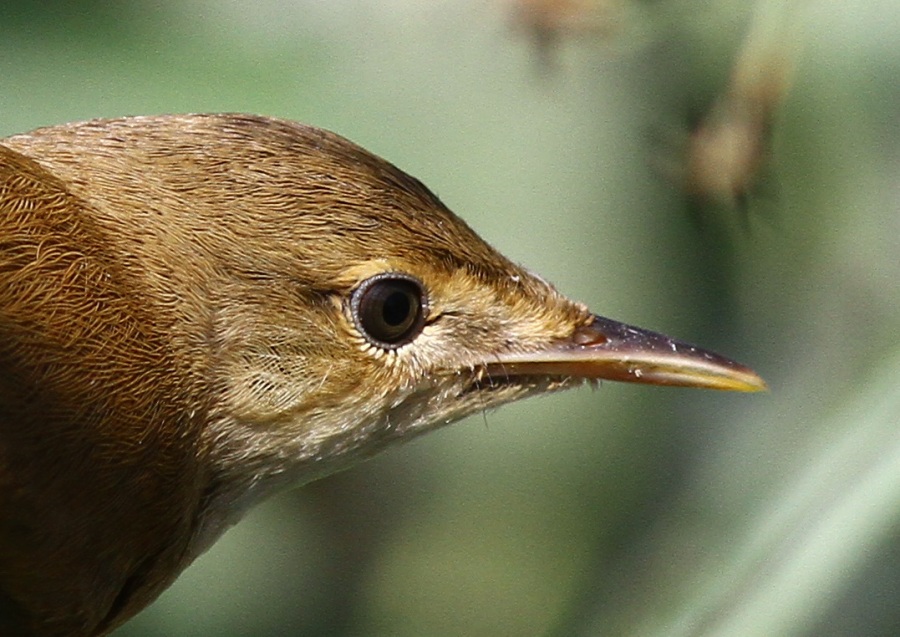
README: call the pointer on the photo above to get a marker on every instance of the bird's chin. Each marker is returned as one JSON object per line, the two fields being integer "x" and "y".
{"x": 484, "y": 391}
{"x": 457, "y": 395}
{"x": 495, "y": 389}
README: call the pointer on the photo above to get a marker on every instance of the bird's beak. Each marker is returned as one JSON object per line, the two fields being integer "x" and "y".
{"x": 608, "y": 350}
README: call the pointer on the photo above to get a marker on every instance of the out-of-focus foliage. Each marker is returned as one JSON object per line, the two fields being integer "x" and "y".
{"x": 621, "y": 511}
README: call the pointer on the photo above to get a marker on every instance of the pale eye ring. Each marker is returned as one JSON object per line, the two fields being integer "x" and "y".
{"x": 389, "y": 309}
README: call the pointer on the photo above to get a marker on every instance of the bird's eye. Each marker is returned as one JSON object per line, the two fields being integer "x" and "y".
{"x": 389, "y": 309}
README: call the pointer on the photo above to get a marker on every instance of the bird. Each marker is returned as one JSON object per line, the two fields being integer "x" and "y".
{"x": 197, "y": 311}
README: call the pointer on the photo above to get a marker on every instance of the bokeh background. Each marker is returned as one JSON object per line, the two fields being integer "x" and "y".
{"x": 625, "y": 510}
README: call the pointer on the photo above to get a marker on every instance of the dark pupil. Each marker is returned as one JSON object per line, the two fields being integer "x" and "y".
{"x": 396, "y": 309}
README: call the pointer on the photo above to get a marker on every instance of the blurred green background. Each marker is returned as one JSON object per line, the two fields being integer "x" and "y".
{"x": 620, "y": 511}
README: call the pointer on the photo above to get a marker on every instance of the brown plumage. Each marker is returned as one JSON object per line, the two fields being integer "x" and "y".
{"x": 198, "y": 310}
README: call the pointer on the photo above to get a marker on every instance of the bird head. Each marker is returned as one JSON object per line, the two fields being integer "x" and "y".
{"x": 217, "y": 306}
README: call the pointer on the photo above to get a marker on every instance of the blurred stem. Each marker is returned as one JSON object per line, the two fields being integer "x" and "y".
{"x": 809, "y": 544}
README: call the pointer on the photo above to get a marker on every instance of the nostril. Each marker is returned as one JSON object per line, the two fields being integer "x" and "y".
{"x": 588, "y": 335}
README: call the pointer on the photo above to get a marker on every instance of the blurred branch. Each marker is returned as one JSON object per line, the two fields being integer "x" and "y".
{"x": 729, "y": 147}
{"x": 814, "y": 539}
{"x": 808, "y": 544}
